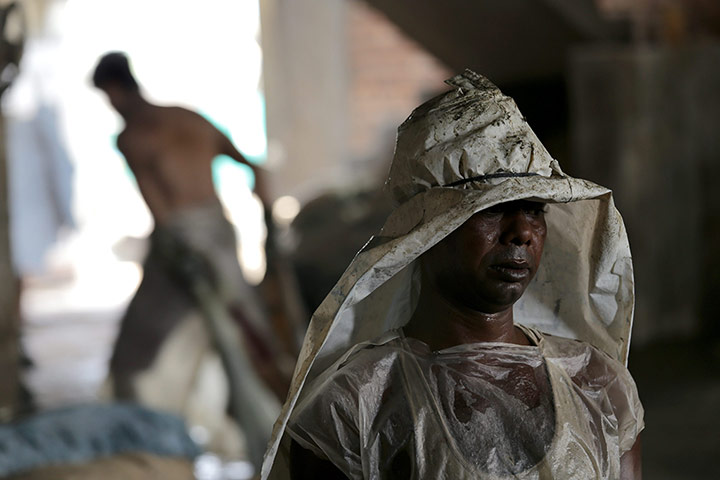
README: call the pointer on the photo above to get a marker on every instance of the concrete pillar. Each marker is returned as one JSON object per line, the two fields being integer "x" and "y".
{"x": 9, "y": 312}
{"x": 11, "y": 25}
{"x": 304, "y": 69}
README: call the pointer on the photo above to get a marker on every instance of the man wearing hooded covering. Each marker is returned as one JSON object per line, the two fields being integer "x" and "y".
{"x": 447, "y": 350}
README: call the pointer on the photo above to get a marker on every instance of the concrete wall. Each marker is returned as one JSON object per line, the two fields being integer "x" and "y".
{"x": 304, "y": 56}
{"x": 645, "y": 124}
{"x": 389, "y": 75}
{"x": 339, "y": 78}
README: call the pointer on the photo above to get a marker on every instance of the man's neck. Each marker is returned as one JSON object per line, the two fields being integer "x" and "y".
{"x": 134, "y": 107}
{"x": 441, "y": 323}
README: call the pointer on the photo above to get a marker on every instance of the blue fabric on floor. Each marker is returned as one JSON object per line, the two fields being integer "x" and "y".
{"x": 83, "y": 433}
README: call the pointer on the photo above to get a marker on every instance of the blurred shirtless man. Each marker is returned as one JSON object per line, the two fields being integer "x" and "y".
{"x": 170, "y": 151}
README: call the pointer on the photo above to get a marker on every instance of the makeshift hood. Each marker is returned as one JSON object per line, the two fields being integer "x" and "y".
{"x": 459, "y": 153}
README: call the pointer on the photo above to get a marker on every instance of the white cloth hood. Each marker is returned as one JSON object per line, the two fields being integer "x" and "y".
{"x": 457, "y": 154}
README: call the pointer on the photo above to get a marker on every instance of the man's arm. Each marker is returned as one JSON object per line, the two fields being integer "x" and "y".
{"x": 227, "y": 148}
{"x": 631, "y": 462}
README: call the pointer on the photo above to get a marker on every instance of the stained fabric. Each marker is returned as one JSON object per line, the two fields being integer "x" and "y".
{"x": 392, "y": 408}
{"x": 460, "y": 153}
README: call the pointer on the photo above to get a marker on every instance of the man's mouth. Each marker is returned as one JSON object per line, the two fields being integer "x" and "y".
{"x": 512, "y": 271}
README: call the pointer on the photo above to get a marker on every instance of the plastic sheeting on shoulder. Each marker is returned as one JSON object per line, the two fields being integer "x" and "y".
{"x": 489, "y": 410}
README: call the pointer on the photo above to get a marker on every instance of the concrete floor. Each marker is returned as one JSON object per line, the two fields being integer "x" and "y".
{"x": 70, "y": 321}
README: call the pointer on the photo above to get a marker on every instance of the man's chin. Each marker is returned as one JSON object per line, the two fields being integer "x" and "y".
{"x": 503, "y": 296}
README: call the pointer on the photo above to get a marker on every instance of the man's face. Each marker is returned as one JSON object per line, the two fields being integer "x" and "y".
{"x": 488, "y": 262}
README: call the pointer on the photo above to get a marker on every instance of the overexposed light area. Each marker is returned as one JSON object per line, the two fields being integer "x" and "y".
{"x": 201, "y": 55}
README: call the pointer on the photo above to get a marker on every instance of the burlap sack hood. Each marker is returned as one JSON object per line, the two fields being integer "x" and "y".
{"x": 459, "y": 153}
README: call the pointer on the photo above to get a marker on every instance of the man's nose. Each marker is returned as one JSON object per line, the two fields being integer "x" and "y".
{"x": 516, "y": 228}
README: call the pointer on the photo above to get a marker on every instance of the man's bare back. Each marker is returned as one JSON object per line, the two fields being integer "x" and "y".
{"x": 170, "y": 150}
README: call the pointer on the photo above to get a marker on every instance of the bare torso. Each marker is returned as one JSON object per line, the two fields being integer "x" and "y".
{"x": 170, "y": 151}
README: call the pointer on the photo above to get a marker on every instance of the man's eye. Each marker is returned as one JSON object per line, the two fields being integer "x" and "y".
{"x": 536, "y": 211}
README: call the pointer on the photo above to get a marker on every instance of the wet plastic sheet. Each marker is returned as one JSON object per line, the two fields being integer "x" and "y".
{"x": 393, "y": 409}
{"x": 460, "y": 153}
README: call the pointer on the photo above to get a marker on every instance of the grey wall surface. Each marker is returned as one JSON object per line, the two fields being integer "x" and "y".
{"x": 645, "y": 123}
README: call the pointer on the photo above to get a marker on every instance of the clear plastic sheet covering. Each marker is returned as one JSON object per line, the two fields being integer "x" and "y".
{"x": 460, "y": 153}
{"x": 393, "y": 409}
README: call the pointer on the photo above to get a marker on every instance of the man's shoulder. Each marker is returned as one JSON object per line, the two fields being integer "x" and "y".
{"x": 586, "y": 364}
{"x": 366, "y": 356}
{"x": 364, "y": 363}
{"x": 122, "y": 139}
{"x": 602, "y": 380}
{"x": 556, "y": 345}
{"x": 125, "y": 140}
{"x": 178, "y": 111}
{"x": 363, "y": 371}
{"x": 138, "y": 143}
{"x": 184, "y": 125}
{"x": 182, "y": 116}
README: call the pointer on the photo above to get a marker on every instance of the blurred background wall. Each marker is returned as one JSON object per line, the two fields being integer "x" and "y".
{"x": 622, "y": 92}
{"x": 625, "y": 93}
